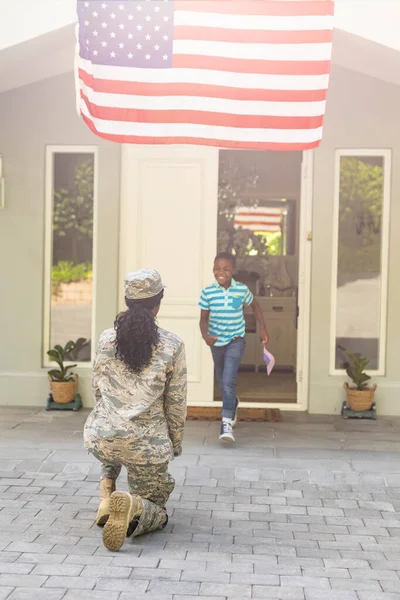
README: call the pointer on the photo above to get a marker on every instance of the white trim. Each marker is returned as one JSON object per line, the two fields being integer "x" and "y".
{"x": 48, "y": 245}
{"x": 129, "y": 259}
{"x": 283, "y": 406}
{"x": 304, "y": 286}
{"x": 386, "y": 154}
{"x": 94, "y": 255}
{"x": 128, "y": 244}
{"x": 2, "y": 185}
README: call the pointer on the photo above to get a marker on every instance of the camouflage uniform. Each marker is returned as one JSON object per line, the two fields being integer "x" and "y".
{"x": 138, "y": 419}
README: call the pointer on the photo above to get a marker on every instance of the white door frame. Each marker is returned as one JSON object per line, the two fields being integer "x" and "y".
{"x": 128, "y": 247}
{"x": 304, "y": 290}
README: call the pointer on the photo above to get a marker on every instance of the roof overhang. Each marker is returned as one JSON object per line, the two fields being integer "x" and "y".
{"x": 364, "y": 56}
{"x": 37, "y": 59}
{"x": 53, "y": 54}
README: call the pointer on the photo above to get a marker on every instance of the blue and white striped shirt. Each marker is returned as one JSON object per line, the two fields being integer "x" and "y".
{"x": 226, "y": 310}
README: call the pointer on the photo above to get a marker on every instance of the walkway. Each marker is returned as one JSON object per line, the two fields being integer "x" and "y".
{"x": 307, "y": 509}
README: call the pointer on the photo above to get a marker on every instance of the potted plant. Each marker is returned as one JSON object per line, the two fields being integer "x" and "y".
{"x": 360, "y": 397}
{"x": 63, "y": 382}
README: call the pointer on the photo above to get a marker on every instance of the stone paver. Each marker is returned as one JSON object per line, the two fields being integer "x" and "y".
{"x": 306, "y": 509}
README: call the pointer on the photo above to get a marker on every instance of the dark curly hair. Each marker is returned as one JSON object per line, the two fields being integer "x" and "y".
{"x": 137, "y": 332}
{"x": 226, "y": 256}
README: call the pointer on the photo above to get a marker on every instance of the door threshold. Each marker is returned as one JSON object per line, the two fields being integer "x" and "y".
{"x": 245, "y": 400}
{"x": 216, "y": 405}
{"x": 213, "y": 413}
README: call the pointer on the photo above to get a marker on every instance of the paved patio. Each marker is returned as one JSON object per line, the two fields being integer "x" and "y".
{"x": 307, "y": 509}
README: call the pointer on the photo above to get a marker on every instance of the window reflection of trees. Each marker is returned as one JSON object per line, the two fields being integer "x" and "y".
{"x": 360, "y": 214}
{"x": 359, "y": 256}
{"x": 72, "y": 254}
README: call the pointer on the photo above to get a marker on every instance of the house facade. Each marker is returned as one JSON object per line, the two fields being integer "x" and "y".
{"x": 159, "y": 207}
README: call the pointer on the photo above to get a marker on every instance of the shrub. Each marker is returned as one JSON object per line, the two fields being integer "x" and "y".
{"x": 66, "y": 271}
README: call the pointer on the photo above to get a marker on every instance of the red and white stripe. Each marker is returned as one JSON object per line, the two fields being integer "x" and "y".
{"x": 258, "y": 219}
{"x": 247, "y": 74}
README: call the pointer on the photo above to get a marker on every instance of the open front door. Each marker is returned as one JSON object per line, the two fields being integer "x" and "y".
{"x": 169, "y": 205}
{"x": 304, "y": 294}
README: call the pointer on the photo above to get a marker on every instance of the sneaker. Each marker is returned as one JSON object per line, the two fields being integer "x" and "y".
{"x": 235, "y": 416}
{"x": 226, "y": 433}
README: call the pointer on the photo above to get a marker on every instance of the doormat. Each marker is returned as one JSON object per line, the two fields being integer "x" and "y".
{"x": 202, "y": 413}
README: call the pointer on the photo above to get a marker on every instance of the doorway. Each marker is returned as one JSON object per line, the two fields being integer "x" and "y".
{"x": 264, "y": 209}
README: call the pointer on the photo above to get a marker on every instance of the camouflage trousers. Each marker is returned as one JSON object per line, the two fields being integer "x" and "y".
{"x": 151, "y": 482}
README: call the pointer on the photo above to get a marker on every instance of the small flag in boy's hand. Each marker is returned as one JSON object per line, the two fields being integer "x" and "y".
{"x": 269, "y": 361}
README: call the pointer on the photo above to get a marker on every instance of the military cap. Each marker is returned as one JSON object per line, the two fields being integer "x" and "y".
{"x": 142, "y": 284}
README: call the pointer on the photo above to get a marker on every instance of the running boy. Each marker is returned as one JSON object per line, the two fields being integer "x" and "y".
{"x": 222, "y": 326}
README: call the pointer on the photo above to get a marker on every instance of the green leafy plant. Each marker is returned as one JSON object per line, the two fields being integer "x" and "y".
{"x": 62, "y": 355}
{"x": 66, "y": 271}
{"x": 354, "y": 367}
{"x": 73, "y": 208}
{"x": 360, "y": 214}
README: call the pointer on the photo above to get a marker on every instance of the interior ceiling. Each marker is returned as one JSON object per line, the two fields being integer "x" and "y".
{"x": 53, "y": 54}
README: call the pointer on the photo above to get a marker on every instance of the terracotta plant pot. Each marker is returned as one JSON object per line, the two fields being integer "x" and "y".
{"x": 64, "y": 392}
{"x": 360, "y": 400}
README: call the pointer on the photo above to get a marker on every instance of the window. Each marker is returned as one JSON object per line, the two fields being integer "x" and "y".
{"x": 69, "y": 255}
{"x": 360, "y": 257}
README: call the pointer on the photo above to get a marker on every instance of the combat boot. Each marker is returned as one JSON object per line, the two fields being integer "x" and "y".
{"x": 124, "y": 509}
{"x": 107, "y": 487}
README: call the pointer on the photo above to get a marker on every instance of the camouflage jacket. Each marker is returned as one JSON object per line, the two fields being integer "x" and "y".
{"x": 149, "y": 408}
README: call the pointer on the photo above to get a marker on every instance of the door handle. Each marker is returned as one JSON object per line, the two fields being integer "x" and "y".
{"x": 277, "y": 308}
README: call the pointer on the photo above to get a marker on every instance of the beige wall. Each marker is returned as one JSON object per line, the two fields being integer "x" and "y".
{"x": 31, "y": 118}
{"x": 279, "y": 177}
{"x": 362, "y": 113}
{"x": 278, "y": 172}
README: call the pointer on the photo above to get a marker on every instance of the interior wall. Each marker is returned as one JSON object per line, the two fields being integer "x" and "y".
{"x": 278, "y": 171}
{"x": 362, "y": 112}
{"x": 32, "y": 117}
{"x": 279, "y": 177}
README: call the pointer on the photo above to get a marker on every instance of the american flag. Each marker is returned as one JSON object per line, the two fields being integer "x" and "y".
{"x": 250, "y": 74}
{"x": 258, "y": 218}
